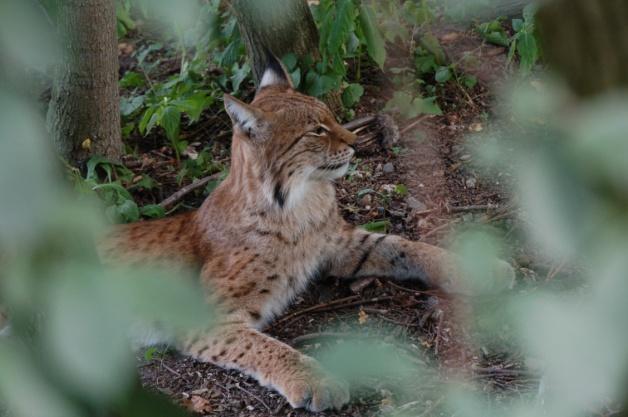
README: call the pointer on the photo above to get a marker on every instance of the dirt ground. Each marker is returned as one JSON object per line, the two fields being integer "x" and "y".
{"x": 440, "y": 191}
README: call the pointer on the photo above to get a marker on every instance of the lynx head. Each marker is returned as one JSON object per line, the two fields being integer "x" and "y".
{"x": 292, "y": 139}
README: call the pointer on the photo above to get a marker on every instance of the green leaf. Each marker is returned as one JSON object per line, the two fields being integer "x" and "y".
{"x": 154, "y": 211}
{"x": 128, "y": 211}
{"x": 321, "y": 84}
{"x": 469, "y": 81}
{"x": 132, "y": 79}
{"x": 401, "y": 190}
{"x": 375, "y": 44}
{"x": 290, "y": 61}
{"x": 497, "y": 38}
{"x": 145, "y": 119}
{"x": 409, "y": 106}
{"x": 528, "y": 51}
{"x": 240, "y": 73}
{"x": 120, "y": 192}
{"x": 352, "y": 94}
{"x": 26, "y": 390}
{"x": 431, "y": 43}
{"x": 124, "y": 17}
{"x": 128, "y": 106}
{"x": 171, "y": 122}
{"x": 443, "y": 74}
{"x": 93, "y": 163}
{"x": 517, "y": 24}
{"x": 194, "y": 105}
{"x": 150, "y": 353}
{"x": 365, "y": 191}
{"x": 341, "y": 26}
{"x": 296, "y": 77}
{"x": 127, "y": 129}
{"x": 529, "y": 11}
{"x": 425, "y": 64}
{"x": 230, "y": 55}
{"x": 429, "y": 106}
{"x": 379, "y": 226}
{"x": 95, "y": 359}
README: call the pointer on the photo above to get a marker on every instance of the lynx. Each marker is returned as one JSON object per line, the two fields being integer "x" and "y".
{"x": 269, "y": 229}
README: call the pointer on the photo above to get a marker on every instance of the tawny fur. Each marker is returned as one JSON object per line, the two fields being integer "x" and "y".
{"x": 269, "y": 229}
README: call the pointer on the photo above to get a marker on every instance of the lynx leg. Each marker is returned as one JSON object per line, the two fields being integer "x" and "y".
{"x": 390, "y": 256}
{"x": 296, "y": 376}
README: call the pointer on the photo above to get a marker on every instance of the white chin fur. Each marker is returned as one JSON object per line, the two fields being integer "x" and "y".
{"x": 339, "y": 172}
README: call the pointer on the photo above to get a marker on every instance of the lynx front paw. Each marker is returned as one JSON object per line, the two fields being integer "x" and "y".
{"x": 318, "y": 395}
{"x": 316, "y": 390}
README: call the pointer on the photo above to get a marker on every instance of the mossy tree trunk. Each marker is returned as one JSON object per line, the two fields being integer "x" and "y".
{"x": 84, "y": 112}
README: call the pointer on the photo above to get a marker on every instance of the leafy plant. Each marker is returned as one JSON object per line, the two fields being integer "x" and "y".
{"x": 120, "y": 205}
{"x": 124, "y": 21}
{"x": 348, "y": 29}
{"x": 184, "y": 96}
{"x": 377, "y": 226}
{"x": 523, "y": 42}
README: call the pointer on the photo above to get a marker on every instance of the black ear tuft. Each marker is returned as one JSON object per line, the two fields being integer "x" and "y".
{"x": 275, "y": 73}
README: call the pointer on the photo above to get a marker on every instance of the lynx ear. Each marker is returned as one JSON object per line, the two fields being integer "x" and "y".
{"x": 275, "y": 73}
{"x": 246, "y": 118}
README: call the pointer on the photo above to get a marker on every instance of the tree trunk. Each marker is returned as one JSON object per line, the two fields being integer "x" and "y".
{"x": 282, "y": 26}
{"x": 84, "y": 112}
{"x": 586, "y": 41}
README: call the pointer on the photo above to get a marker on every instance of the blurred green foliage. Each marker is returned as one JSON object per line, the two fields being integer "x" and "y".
{"x": 68, "y": 354}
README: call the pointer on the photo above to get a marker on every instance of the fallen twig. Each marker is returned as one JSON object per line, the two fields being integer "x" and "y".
{"x": 555, "y": 270}
{"x": 411, "y": 290}
{"x": 174, "y": 198}
{"x": 439, "y": 228}
{"x": 316, "y": 307}
{"x": 237, "y": 385}
{"x": 481, "y": 207}
{"x": 413, "y": 124}
{"x": 334, "y": 305}
{"x": 299, "y": 340}
{"x": 358, "y": 123}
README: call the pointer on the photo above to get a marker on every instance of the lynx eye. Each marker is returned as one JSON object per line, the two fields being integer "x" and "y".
{"x": 321, "y": 130}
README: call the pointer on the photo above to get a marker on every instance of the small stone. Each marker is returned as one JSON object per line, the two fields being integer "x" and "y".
{"x": 465, "y": 157}
{"x": 389, "y": 168}
{"x": 366, "y": 200}
{"x": 471, "y": 182}
{"x": 415, "y": 204}
{"x": 476, "y": 127}
{"x": 379, "y": 168}
{"x": 359, "y": 285}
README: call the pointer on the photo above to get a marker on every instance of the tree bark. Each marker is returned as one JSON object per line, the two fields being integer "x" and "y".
{"x": 282, "y": 26}
{"x": 84, "y": 112}
{"x": 586, "y": 41}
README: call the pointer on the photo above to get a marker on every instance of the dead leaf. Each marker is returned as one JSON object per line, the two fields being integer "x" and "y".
{"x": 476, "y": 127}
{"x": 198, "y": 404}
{"x": 362, "y": 317}
{"x": 450, "y": 37}
{"x": 86, "y": 144}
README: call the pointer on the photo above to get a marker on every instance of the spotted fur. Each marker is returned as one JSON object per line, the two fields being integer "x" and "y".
{"x": 267, "y": 231}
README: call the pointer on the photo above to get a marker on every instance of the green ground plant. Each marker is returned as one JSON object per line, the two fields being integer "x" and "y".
{"x": 523, "y": 43}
